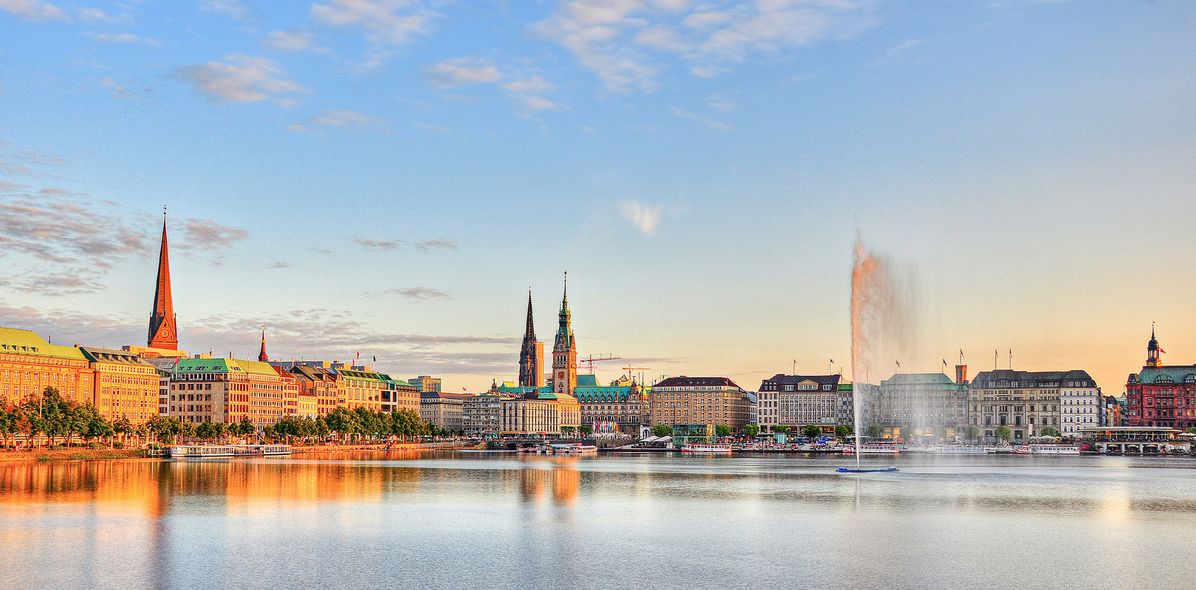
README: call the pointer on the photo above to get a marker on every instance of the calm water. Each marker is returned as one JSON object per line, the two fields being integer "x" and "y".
{"x": 502, "y": 521}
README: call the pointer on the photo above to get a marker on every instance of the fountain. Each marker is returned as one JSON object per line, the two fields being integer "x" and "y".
{"x": 880, "y": 329}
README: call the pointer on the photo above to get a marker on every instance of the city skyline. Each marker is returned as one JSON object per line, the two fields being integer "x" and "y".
{"x": 361, "y": 191}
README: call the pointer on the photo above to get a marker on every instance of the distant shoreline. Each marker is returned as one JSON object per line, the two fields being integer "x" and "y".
{"x": 82, "y": 454}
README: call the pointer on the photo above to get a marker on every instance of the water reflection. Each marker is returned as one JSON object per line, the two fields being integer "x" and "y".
{"x": 498, "y": 520}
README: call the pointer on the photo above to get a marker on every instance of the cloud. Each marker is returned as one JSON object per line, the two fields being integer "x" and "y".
{"x": 629, "y": 43}
{"x": 377, "y": 244}
{"x": 96, "y": 15}
{"x": 388, "y": 24}
{"x": 230, "y": 8}
{"x": 463, "y": 72}
{"x": 646, "y": 218}
{"x": 904, "y": 46}
{"x": 332, "y": 118}
{"x": 241, "y": 78}
{"x": 278, "y": 264}
{"x": 122, "y": 38}
{"x": 290, "y": 40}
{"x": 427, "y": 246}
{"x": 417, "y": 293}
{"x": 707, "y": 121}
{"x": 208, "y": 235}
{"x": 67, "y": 229}
{"x": 529, "y": 93}
{"x": 11, "y": 187}
{"x": 55, "y": 284}
{"x": 119, "y": 90}
{"x": 33, "y": 10}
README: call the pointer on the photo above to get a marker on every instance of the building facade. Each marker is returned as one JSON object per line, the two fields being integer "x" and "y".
{"x": 621, "y": 407}
{"x": 924, "y": 404}
{"x": 29, "y": 364}
{"x": 125, "y": 384}
{"x": 1161, "y": 395}
{"x": 798, "y": 400}
{"x": 699, "y": 400}
{"x": 316, "y": 381}
{"x": 426, "y": 384}
{"x": 564, "y": 350}
{"x": 1025, "y": 402}
{"x": 443, "y": 410}
{"x": 481, "y": 414}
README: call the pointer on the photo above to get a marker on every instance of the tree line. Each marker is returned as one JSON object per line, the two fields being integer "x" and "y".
{"x": 59, "y": 419}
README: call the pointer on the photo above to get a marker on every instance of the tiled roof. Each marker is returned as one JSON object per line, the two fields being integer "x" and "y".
{"x": 17, "y": 341}
{"x": 1167, "y": 374}
{"x": 1032, "y": 379}
{"x": 105, "y": 355}
{"x": 697, "y": 382}
{"x": 778, "y": 381}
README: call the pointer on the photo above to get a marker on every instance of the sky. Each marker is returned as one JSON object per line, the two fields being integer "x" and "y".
{"x": 389, "y": 178}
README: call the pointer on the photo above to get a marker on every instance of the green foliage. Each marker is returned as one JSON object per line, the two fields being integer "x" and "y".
{"x": 722, "y": 430}
{"x": 1004, "y": 434}
{"x": 973, "y": 433}
{"x": 751, "y": 430}
{"x": 585, "y": 429}
{"x": 811, "y": 431}
{"x": 1190, "y": 430}
{"x": 842, "y": 431}
{"x": 874, "y": 431}
{"x": 1048, "y": 431}
{"x": 781, "y": 428}
{"x": 662, "y": 430}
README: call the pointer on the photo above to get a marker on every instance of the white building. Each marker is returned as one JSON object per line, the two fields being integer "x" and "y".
{"x": 798, "y": 400}
{"x": 1079, "y": 406}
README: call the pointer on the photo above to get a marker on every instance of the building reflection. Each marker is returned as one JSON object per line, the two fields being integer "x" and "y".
{"x": 558, "y": 475}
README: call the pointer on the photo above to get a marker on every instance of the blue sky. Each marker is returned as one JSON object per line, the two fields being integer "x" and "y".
{"x": 390, "y": 177}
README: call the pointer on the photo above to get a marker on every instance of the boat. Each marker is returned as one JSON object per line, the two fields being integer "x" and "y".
{"x": 706, "y": 449}
{"x": 866, "y": 469}
{"x": 226, "y": 451}
{"x": 961, "y": 450}
{"x": 872, "y": 449}
{"x": 1054, "y": 449}
{"x": 573, "y": 449}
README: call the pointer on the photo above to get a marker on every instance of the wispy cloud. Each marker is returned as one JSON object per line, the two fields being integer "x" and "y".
{"x": 35, "y": 10}
{"x": 387, "y": 24}
{"x": 463, "y": 72}
{"x": 377, "y": 244}
{"x": 120, "y": 90}
{"x": 122, "y": 38}
{"x": 230, "y": 8}
{"x": 242, "y": 78}
{"x": 427, "y": 246}
{"x": 290, "y": 40}
{"x": 704, "y": 120}
{"x": 628, "y": 43}
{"x": 332, "y": 118}
{"x": 417, "y": 293}
{"x": 643, "y": 216}
{"x": 208, "y": 235}
{"x": 278, "y": 264}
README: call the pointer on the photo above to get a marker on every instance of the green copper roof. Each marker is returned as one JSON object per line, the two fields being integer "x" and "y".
{"x": 16, "y": 341}
{"x": 211, "y": 365}
{"x": 587, "y": 381}
{"x": 602, "y": 393}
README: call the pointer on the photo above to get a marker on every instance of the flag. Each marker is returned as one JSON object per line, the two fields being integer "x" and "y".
{"x": 898, "y": 364}
{"x": 375, "y": 358}
{"x": 944, "y": 362}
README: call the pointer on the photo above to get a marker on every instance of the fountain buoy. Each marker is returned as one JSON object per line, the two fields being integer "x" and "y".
{"x": 865, "y": 469}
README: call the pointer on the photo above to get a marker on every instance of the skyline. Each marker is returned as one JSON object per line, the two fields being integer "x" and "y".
{"x": 393, "y": 186}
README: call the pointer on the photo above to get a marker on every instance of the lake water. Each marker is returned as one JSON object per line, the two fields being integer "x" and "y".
{"x": 490, "y": 520}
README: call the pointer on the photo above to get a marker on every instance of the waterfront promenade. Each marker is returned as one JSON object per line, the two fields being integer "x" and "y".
{"x": 498, "y": 520}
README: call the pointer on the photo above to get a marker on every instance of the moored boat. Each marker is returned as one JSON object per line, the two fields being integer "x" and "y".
{"x": 226, "y": 451}
{"x": 1054, "y": 449}
{"x": 706, "y": 449}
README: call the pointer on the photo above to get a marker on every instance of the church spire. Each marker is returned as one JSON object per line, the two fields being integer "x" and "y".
{"x": 1153, "y": 350}
{"x": 531, "y": 354}
{"x": 530, "y": 331}
{"x": 261, "y": 356}
{"x": 163, "y": 329}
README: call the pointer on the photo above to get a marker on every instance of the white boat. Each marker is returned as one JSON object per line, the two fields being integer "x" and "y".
{"x": 872, "y": 449}
{"x": 1054, "y": 449}
{"x": 706, "y": 449}
{"x": 957, "y": 450}
{"x": 226, "y": 451}
{"x": 573, "y": 449}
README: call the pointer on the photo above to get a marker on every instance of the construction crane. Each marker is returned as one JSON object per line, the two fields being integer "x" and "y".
{"x": 591, "y": 359}
{"x": 631, "y": 373}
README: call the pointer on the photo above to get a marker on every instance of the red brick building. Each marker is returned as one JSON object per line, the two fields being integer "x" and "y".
{"x": 1161, "y": 395}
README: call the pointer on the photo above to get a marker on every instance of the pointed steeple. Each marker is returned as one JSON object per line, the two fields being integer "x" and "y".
{"x": 530, "y": 331}
{"x": 1153, "y": 350}
{"x": 163, "y": 329}
{"x": 564, "y": 349}
{"x": 261, "y": 355}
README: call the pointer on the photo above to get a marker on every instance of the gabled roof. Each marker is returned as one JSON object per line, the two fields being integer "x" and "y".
{"x": 779, "y": 381}
{"x": 1166, "y": 375}
{"x": 207, "y": 365}
{"x": 1032, "y": 379}
{"x": 106, "y": 355}
{"x": 587, "y": 380}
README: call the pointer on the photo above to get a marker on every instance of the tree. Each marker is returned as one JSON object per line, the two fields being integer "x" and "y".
{"x": 662, "y": 430}
{"x": 122, "y": 426}
{"x": 245, "y": 427}
{"x": 1049, "y": 431}
{"x": 1190, "y": 430}
{"x": 973, "y": 433}
{"x": 586, "y": 429}
{"x": 751, "y": 430}
{"x": 781, "y": 428}
{"x": 1004, "y": 434}
{"x": 9, "y": 419}
{"x": 721, "y": 430}
{"x": 874, "y": 431}
{"x": 811, "y": 431}
{"x": 842, "y": 431}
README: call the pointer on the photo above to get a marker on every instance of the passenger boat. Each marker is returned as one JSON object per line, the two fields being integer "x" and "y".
{"x": 1054, "y": 449}
{"x": 706, "y": 449}
{"x": 872, "y": 449}
{"x": 226, "y": 451}
{"x": 961, "y": 450}
{"x": 573, "y": 449}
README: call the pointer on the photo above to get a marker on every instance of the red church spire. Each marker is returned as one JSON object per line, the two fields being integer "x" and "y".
{"x": 163, "y": 330}
{"x": 261, "y": 356}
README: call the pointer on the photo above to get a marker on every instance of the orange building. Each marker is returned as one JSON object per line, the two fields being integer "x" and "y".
{"x": 29, "y": 364}
{"x": 125, "y": 384}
